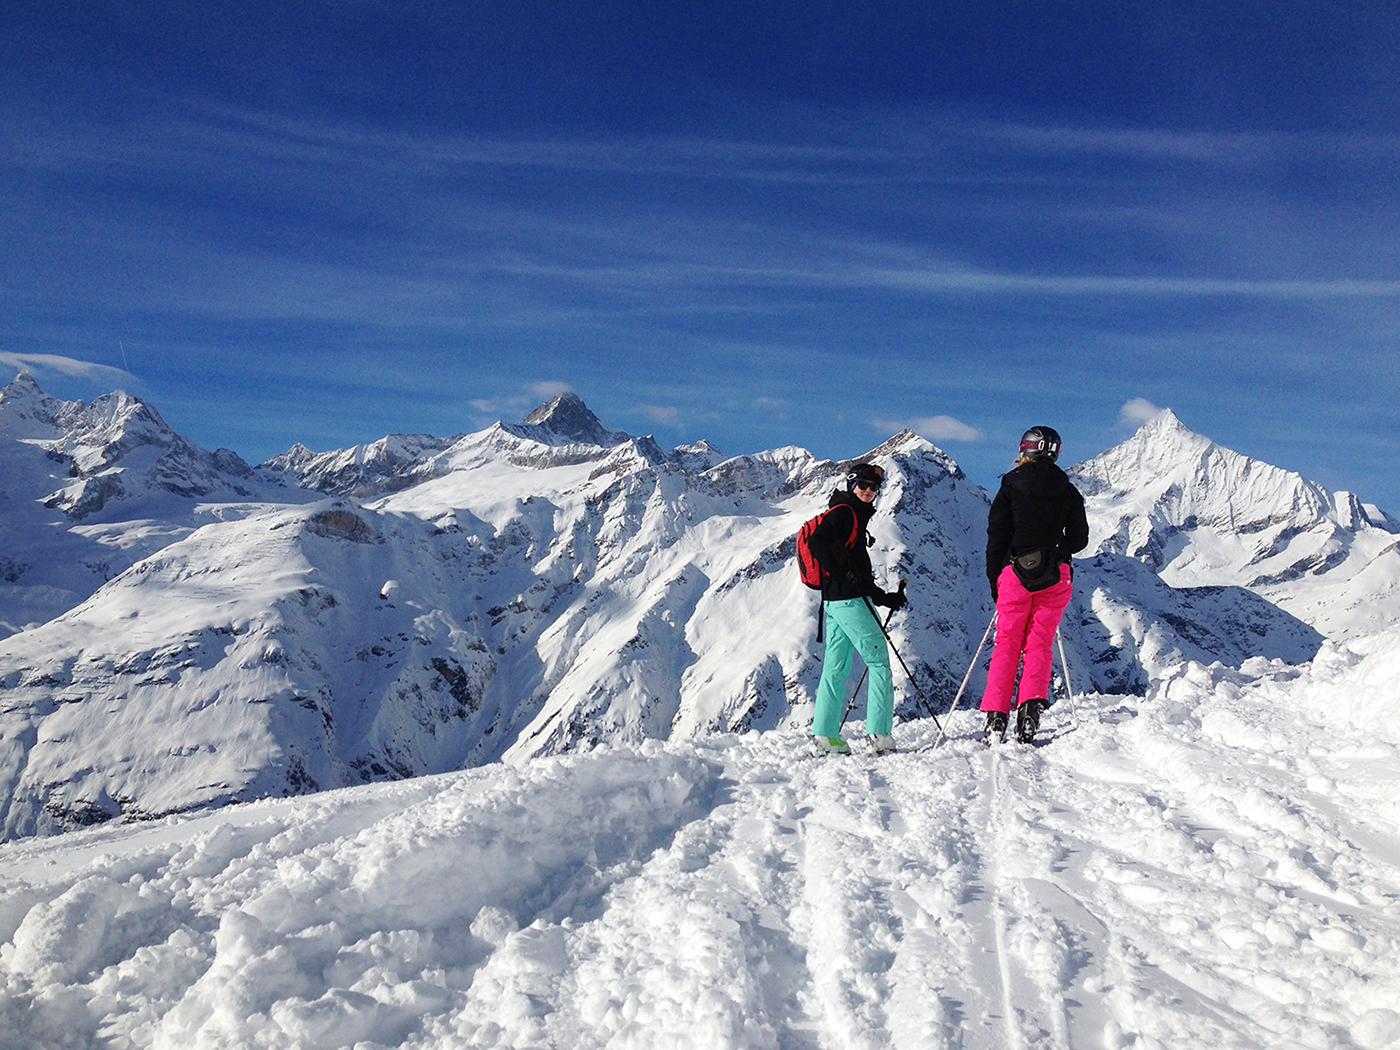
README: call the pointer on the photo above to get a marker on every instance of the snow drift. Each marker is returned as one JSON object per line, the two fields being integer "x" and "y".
{"x": 1214, "y": 864}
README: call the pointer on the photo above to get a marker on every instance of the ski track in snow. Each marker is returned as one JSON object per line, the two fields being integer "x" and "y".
{"x": 1215, "y": 865}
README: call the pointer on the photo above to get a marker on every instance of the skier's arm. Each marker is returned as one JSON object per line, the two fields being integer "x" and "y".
{"x": 1076, "y": 523}
{"x": 999, "y": 531}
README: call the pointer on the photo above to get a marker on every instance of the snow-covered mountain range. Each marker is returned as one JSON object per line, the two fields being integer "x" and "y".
{"x": 187, "y": 630}
{"x": 1200, "y": 515}
{"x": 86, "y": 491}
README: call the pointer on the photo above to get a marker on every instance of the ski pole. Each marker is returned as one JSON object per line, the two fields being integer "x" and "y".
{"x": 889, "y": 641}
{"x": 976, "y": 656}
{"x": 856, "y": 692}
{"x": 1064, "y": 665}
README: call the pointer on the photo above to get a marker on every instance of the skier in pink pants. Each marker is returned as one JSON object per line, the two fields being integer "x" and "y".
{"x": 1036, "y": 522}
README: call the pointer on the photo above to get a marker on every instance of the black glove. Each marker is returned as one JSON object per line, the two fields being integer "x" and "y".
{"x": 993, "y": 581}
{"x": 891, "y": 600}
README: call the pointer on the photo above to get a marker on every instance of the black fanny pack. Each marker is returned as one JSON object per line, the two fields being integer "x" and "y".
{"x": 1037, "y": 569}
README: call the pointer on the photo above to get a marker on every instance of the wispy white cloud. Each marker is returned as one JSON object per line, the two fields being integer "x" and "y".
{"x": 666, "y": 415}
{"x": 1160, "y": 144}
{"x": 967, "y": 280}
{"x": 69, "y": 366}
{"x": 772, "y": 407}
{"x": 847, "y": 152}
{"x": 935, "y": 428}
{"x": 527, "y": 398}
{"x": 1137, "y": 410}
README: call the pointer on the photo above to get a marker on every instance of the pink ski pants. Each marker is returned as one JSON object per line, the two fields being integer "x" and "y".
{"x": 1026, "y": 623}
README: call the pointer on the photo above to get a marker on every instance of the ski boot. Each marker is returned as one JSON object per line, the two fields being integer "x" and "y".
{"x": 830, "y": 745}
{"x": 880, "y": 743}
{"x": 1028, "y": 720}
{"x": 995, "y": 729}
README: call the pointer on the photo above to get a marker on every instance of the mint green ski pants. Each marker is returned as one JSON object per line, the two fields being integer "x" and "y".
{"x": 851, "y": 624}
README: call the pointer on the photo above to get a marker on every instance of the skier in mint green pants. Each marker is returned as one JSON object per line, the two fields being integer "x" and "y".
{"x": 839, "y": 543}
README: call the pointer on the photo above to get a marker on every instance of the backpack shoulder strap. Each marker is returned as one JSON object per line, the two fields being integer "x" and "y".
{"x": 855, "y": 523}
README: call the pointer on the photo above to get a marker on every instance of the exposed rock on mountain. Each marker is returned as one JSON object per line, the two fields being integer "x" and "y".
{"x": 86, "y": 490}
{"x": 565, "y": 420}
{"x": 386, "y": 465}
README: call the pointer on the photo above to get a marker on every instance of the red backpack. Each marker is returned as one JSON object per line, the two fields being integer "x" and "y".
{"x": 813, "y": 575}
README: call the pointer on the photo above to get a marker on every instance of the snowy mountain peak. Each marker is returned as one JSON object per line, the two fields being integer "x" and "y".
{"x": 1162, "y": 446}
{"x": 21, "y": 389}
{"x": 114, "y": 425}
{"x": 93, "y": 436}
{"x": 27, "y": 412}
{"x": 565, "y": 420}
{"x": 1203, "y": 515}
{"x": 1164, "y": 422}
{"x": 294, "y": 457}
{"x": 908, "y": 443}
{"x": 399, "y": 461}
{"x": 116, "y": 448}
{"x": 393, "y": 462}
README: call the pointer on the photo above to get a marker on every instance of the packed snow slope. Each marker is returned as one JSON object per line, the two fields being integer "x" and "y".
{"x": 1215, "y": 864}
{"x": 418, "y": 605}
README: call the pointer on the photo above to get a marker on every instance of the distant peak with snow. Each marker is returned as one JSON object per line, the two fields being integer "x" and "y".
{"x": 1203, "y": 515}
{"x": 115, "y": 448}
{"x": 1161, "y": 446}
{"x": 27, "y": 412}
{"x": 565, "y": 420}
{"x": 907, "y": 442}
{"x": 1192, "y": 478}
{"x": 566, "y": 428}
{"x": 22, "y": 386}
{"x": 97, "y": 434}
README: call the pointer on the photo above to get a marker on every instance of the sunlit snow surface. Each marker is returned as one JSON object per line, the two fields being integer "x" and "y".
{"x": 1214, "y": 865}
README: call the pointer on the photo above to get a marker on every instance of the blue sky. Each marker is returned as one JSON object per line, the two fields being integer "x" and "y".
{"x": 761, "y": 224}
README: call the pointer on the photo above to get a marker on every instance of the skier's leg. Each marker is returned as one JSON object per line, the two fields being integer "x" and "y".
{"x": 836, "y": 665}
{"x": 1047, "y": 608}
{"x": 1013, "y": 614}
{"x": 860, "y": 624}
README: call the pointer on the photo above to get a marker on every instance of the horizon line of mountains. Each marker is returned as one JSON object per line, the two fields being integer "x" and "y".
{"x": 181, "y": 629}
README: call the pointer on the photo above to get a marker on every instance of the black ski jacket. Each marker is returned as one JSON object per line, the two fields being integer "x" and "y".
{"x": 850, "y": 574}
{"x": 1036, "y": 507}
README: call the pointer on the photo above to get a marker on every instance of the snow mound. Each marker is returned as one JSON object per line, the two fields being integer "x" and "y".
{"x": 1216, "y": 864}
